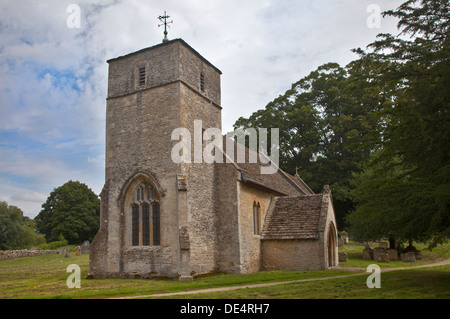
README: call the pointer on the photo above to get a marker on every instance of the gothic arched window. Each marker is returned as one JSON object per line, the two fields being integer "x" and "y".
{"x": 145, "y": 217}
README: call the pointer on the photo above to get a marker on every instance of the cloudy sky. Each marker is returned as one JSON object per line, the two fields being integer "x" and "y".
{"x": 53, "y": 70}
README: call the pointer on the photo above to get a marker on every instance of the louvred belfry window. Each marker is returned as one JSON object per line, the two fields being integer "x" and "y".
{"x": 202, "y": 82}
{"x": 141, "y": 76}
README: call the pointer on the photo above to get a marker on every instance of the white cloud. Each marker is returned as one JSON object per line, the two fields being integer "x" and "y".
{"x": 29, "y": 201}
{"x": 32, "y": 197}
{"x": 98, "y": 159}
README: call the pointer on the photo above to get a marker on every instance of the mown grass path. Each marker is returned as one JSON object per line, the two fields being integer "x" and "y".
{"x": 212, "y": 290}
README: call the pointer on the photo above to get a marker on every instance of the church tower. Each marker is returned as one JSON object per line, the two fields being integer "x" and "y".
{"x": 157, "y": 215}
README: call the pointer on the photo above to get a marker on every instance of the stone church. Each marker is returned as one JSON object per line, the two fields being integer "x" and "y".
{"x": 160, "y": 218}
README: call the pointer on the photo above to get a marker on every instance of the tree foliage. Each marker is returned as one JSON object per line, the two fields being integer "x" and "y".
{"x": 377, "y": 130}
{"x": 327, "y": 128}
{"x": 414, "y": 202}
{"x": 17, "y": 231}
{"x": 73, "y": 211}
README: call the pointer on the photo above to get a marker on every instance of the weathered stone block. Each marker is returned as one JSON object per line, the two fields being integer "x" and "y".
{"x": 342, "y": 256}
{"x": 409, "y": 257}
{"x": 377, "y": 252}
{"x": 367, "y": 254}
{"x": 186, "y": 278}
{"x": 383, "y": 258}
{"x": 393, "y": 254}
{"x": 184, "y": 238}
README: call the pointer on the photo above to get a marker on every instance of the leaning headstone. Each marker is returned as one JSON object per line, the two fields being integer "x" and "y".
{"x": 393, "y": 254}
{"x": 409, "y": 257}
{"x": 342, "y": 257}
{"x": 377, "y": 252}
{"x": 383, "y": 244}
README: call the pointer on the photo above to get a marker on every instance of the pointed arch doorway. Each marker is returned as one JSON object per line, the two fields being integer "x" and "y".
{"x": 332, "y": 246}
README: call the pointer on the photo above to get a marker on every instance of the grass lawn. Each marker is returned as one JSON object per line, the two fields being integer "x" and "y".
{"x": 427, "y": 283}
{"x": 45, "y": 277}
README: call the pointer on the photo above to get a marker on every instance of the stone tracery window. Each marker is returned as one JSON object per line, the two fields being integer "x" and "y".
{"x": 145, "y": 217}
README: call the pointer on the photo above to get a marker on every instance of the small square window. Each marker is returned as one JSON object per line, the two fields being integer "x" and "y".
{"x": 142, "y": 76}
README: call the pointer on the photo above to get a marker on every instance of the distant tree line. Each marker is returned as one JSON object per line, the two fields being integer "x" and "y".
{"x": 377, "y": 130}
{"x": 70, "y": 215}
{"x": 17, "y": 231}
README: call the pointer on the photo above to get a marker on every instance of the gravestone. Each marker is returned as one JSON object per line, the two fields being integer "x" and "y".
{"x": 383, "y": 258}
{"x": 62, "y": 251}
{"x": 342, "y": 256}
{"x": 78, "y": 251}
{"x": 409, "y": 257}
{"x": 67, "y": 254}
{"x": 393, "y": 254}
{"x": 344, "y": 237}
{"x": 340, "y": 242}
{"x": 377, "y": 252}
{"x": 367, "y": 254}
{"x": 86, "y": 244}
{"x": 85, "y": 247}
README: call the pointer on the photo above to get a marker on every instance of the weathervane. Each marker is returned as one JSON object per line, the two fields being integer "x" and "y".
{"x": 163, "y": 19}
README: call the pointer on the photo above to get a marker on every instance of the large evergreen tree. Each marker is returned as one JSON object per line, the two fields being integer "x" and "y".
{"x": 73, "y": 211}
{"x": 386, "y": 113}
{"x": 410, "y": 193}
{"x": 328, "y": 127}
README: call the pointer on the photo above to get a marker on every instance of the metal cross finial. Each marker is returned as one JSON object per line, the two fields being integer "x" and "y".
{"x": 163, "y": 19}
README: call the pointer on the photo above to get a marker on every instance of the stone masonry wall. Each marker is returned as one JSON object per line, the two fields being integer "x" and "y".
{"x": 292, "y": 255}
{"x": 139, "y": 123}
{"x": 138, "y": 139}
{"x": 227, "y": 232}
{"x": 201, "y": 184}
{"x": 250, "y": 249}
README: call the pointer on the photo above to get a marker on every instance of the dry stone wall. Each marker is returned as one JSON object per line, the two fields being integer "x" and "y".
{"x": 11, "y": 254}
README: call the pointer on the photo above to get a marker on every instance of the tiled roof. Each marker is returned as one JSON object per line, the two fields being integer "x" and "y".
{"x": 296, "y": 217}
{"x": 279, "y": 182}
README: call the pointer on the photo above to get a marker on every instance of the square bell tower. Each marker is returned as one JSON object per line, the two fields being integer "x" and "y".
{"x": 157, "y": 216}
